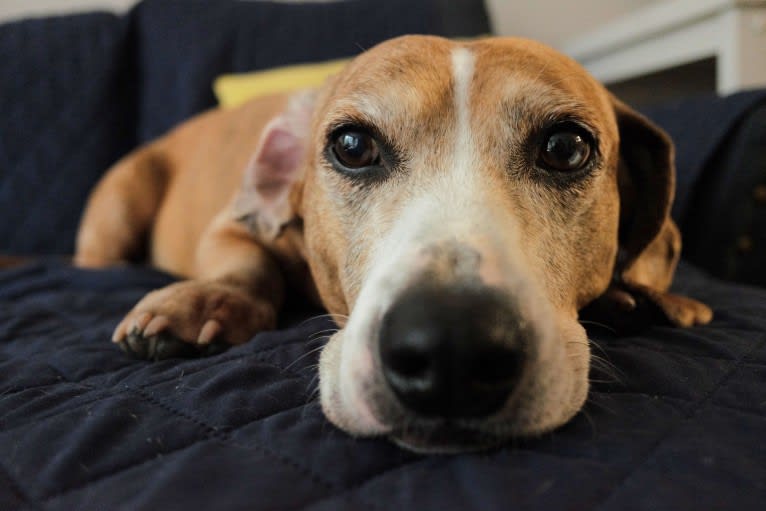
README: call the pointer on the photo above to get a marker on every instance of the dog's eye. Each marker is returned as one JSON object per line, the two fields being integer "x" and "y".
{"x": 356, "y": 150}
{"x": 565, "y": 149}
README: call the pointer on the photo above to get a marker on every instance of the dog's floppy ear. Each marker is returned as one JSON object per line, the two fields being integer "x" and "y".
{"x": 646, "y": 179}
{"x": 275, "y": 168}
{"x": 649, "y": 241}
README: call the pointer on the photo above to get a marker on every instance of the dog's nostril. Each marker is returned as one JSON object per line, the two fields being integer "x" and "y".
{"x": 409, "y": 363}
{"x": 497, "y": 367}
{"x": 407, "y": 359}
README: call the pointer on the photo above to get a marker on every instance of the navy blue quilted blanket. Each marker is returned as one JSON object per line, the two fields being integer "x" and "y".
{"x": 678, "y": 423}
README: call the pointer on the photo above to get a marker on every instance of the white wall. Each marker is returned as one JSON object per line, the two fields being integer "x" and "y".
{"x": 555, "y": 21}
{"x": 15, "y": 9}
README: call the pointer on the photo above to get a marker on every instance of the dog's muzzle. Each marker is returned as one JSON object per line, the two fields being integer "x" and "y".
{"x": 452, "y": 352}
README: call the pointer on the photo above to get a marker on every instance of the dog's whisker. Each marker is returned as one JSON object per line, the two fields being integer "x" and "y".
{"x": 598, "y": 324}
{"x": 608, "y": 369}
{"x": 312, "y": 396}
{"x": 312, "y": 318}
{"x": 308, "y": 353}
{"x": 600, "y": 363}
{"x": 319, "y": 337}
{"x": 334, "y": 316}
{"x": 312, "y": 389}
{"x": 329, "y": 315}
{"x": 603, "y": 359}
{"x": 322, "y": 333}
{"x": 597, "y": 346}
{"x": 595, "y": 401}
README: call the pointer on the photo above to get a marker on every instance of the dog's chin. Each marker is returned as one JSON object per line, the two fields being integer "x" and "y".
{"x": 445, "y": 436}
{"x": 446, "y": 439}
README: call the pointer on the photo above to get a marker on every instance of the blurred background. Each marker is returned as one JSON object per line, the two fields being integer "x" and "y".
{"x": 647, "y": 51}
{"x": 81, "y": 90}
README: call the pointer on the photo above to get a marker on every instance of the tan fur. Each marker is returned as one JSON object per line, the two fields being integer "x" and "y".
{"x": 169, "y": 191}
{"x": 461, "y": 185}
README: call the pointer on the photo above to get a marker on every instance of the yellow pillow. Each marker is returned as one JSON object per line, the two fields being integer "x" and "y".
{"x": 234, "y": 89}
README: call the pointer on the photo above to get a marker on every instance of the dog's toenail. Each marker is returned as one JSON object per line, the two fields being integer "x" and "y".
{"x": 209, "y": 331}
{"x": 141, "y": 321}
{"x": 156, "y": 325}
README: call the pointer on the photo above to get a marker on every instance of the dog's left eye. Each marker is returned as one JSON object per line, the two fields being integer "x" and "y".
{"x": 565, "y": 149}
{"x": 356, "y": 150}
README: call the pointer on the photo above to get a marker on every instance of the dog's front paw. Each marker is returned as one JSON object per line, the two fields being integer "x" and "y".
{"x": 192, "y": 318}
{"x": 629, "y": 308}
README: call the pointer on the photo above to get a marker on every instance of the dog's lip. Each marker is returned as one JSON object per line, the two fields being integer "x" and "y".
{"x": 445, "y": 438}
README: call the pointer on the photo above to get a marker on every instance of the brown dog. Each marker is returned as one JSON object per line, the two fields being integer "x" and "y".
{"x": 455, "y": 204}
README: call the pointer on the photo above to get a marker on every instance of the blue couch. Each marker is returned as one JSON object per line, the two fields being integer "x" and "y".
{"x": 682, "y": 425}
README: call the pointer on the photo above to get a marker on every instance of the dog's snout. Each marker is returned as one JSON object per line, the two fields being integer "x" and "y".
{"x": 452, "y": 352}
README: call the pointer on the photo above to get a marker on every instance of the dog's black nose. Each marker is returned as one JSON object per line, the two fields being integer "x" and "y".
{"x": 452, "y": 352}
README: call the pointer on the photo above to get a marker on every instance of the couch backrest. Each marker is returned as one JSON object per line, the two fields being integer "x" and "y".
{"x": 184, "y": 44}
{"x": 78, "y": 92}
{"x": 66, "y": 112}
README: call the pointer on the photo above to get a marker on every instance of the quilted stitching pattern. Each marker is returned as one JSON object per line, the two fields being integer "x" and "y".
{"x": 81, "y": 426}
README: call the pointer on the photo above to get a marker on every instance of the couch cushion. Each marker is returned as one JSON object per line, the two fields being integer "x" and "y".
{"x": 237, "y": 88}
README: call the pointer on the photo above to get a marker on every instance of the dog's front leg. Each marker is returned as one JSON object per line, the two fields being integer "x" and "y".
{"x": 236, "y": 293}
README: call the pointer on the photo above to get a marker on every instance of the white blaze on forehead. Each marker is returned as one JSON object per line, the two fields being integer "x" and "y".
{"x": 462, "y": 74}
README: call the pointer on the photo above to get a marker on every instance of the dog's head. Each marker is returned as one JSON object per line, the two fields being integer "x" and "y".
{"x": 461, "y": 202}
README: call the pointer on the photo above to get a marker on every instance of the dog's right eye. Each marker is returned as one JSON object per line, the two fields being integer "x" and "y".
{"x": 355, "y": 150}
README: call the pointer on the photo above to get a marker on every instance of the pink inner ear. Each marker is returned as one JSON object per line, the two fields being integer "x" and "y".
{"x": 277, "y": 162}
{"x": 263, "y": 200}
